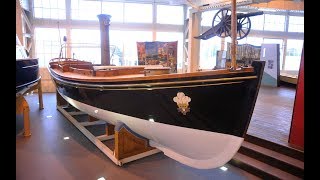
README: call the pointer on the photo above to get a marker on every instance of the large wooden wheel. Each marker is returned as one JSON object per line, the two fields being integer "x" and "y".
{"x": 222, "y": 19}
{"x": 222, "y": 22}
{"x": 243, "y": 27}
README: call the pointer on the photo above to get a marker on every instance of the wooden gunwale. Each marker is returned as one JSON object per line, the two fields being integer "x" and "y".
{"x": 141, "y": 77}
{"x": 153, "y": 86}
{"x": 28, "y": 83}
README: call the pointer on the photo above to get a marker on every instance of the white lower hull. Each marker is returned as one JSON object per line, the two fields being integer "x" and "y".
{"x": 195, "y": 148}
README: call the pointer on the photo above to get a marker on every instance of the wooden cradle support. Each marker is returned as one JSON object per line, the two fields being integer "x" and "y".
{"x": 22, "y": 106}
{"x": 127, "y": 145}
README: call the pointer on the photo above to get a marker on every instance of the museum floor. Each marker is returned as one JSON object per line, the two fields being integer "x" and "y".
{"x": 271, "y": 119}
{"x": 47, "y": 155}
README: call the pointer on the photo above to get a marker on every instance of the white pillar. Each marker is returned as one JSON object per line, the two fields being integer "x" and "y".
{"x": 194, "y": 44}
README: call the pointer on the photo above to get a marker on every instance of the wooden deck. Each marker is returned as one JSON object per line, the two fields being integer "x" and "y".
{"x": 271, "y": 119}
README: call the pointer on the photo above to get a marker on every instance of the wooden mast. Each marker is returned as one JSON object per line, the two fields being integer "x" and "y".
{"x": 104, "y": 20}
{"x": 233, "y": 34}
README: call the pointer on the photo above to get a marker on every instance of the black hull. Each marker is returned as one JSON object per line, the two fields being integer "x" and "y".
{"x": 27, "y": 72}
{"x": 219, "y": 103}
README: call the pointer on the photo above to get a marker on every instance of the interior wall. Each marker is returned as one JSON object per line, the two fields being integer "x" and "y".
{"x": 19, "y": 30}
{"x": 46, "y": 81}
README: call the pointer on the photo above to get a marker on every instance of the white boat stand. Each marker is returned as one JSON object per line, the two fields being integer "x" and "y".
{"x": 128, "y": 146}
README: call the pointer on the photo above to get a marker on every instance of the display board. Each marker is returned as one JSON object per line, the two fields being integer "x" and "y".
{"x": 220, "y": 60}
{"x": 270, "y": 53}
{"x": 246, "y": 53}
{"x": 158, "y": 53}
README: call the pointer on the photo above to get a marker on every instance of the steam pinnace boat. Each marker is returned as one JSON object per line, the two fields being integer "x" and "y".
{"x": 27, "y": 69}
{"x": 27, "y": 73}
{"x": 197, "y": 118}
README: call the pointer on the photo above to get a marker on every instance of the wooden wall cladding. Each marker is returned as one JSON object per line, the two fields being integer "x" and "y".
{"x": 19, "y": 21}
{"x": 46, "y": 81}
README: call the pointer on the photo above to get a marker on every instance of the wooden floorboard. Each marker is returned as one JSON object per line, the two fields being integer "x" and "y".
{"x": 271, "y": 119}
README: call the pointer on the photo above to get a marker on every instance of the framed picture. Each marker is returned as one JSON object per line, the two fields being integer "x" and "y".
{"x": 158, "y": 53}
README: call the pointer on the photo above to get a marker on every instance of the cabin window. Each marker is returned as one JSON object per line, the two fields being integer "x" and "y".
{"x": 48, "y": 46}
{"x": 296, "y": 24}
{"x": 170, "y": 15}
{"x": 49, "y": 9}
{"x": 293, "y": 54}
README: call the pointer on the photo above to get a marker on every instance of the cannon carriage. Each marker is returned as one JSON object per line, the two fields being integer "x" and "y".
{"x": 221, "y": 24}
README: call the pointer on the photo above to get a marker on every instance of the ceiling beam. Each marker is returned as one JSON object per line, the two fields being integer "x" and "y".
{"x": 282, "y": 4}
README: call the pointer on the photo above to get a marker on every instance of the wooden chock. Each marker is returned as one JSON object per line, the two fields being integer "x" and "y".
{"x": 109, "y": 129}
{"x": 60, "y": 100}
{"x": 40, "y": 95}
{"x": 91, "y": 118}
{"x": 129, "y": 143}
{"x": 22, "y": 107}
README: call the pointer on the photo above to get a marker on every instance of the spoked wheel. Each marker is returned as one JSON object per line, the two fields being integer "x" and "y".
{"x": 222, "y": 20}
{"x": 243, "y": 27}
